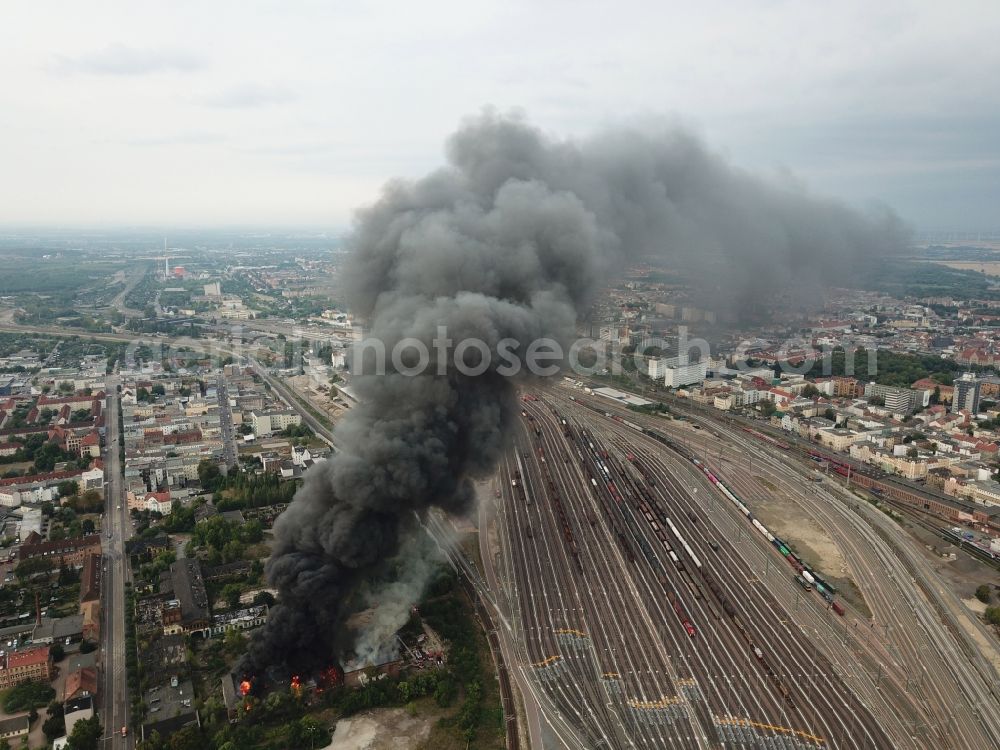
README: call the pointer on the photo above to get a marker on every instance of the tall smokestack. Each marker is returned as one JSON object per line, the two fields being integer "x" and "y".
{"x": 505, "y": 244}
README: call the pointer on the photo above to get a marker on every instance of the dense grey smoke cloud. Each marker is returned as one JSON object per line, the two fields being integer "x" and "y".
{"x": 507, "y": 242}
{"x": 388, "y": 602}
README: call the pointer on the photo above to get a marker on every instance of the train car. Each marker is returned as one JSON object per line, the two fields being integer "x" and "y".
{"x": 836, "y": 606}
{"x": 681, "y": 614}
{"x": 820, "y": 580}
{"x": 803, "y": 583}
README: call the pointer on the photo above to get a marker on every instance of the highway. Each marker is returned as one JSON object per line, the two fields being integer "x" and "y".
{"x": 628, "y": 650}
{"x": 912, "y": 662}
{"x": 114, "y": 699}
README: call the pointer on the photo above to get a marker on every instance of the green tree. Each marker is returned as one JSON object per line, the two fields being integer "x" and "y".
{"x": 810, "y": 391}
{"x": 830, "y": 414}
{"x": 265, "y": 598}
{"x": 253, "y": 531}
{"x": 767, "y": 407}
{"x": 231, "y": 594}
{"x": 234, "y": 642}
{"x": 55, "y": 725}
{"x": 68, "y": 488}
{"x": 232, "y": 551}
{"x": 309, "y": 733}
{"x": 208, "y": 473}
{"x": 32, "y": 566}
{"x": 188, "y": 738}
{"x": 984, "y": 593}
{"x": 86, "y": 734}
{"x": 26, "y": 696}
{"x": 993, "y": 615}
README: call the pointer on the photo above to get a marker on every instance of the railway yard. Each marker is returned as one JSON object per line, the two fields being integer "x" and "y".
{"x": 646, "y": 601}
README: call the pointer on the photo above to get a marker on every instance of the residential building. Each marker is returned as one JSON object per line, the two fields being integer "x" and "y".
{"x": 898, "y": 400}
{"x": 29, "y": 665}
{"x": 90, "y": 612}
{"x": 58, "y": 629}
{"x": 967, "y": 393}
{"x": 71, "y": 552}
{"x": 76, "y": 709}
{"x": 838, "y": 439}
{"x": 268, "y": 422}
{"x": 684, "y": 373}
{"x": 15, "y": 727}
{"x": 90, "y": 578}
{"x": 81, "y": 684}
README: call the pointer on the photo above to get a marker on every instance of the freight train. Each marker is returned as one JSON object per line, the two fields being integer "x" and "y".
{"x": 826, "y": 589}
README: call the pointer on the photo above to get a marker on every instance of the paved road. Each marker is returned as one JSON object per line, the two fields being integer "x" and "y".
{"x": 114, "y": 701}
{"x": 226, "y": 423}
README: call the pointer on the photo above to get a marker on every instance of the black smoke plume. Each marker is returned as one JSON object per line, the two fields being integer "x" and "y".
{"x": 507, "y": 242}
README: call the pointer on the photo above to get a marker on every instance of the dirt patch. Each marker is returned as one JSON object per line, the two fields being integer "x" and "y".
{"x": 975, "y": 605}
{"x": 806, "y": 536}
{"x": 385, "y": 729}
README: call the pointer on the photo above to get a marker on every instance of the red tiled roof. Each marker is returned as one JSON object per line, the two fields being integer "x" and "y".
{"x": 28, "y": 658}
{"x": 80, "y": 682}
{"x": 40, "y": 477}
{"x": 50, "y": 401}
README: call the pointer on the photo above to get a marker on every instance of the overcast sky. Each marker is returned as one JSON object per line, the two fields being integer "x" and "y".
{"x": 294, "y": 113}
